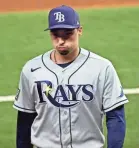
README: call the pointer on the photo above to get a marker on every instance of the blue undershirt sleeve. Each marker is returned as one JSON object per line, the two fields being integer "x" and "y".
{"x": 116, "y": 127}
{"x": 23, "y": 135}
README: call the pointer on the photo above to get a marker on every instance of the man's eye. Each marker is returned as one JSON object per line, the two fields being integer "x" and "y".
{"x": 64, "y": 35}
{"x": 55, "y": 34}
{"x": 69, "y": 34}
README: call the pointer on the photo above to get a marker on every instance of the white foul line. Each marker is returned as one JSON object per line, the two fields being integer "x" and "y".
{"x": 126, "y": 91}
{"x": 131, "y": 91}
{"x": 6, "y": 98}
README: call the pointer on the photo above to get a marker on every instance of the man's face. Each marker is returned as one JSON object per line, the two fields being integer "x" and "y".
{"x": 65, "y": 40}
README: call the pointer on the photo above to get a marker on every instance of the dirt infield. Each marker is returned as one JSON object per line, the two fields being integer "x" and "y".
{"x": 29, "y": 5}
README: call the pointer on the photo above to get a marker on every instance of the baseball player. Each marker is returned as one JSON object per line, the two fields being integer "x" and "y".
{"x": 64, "y": 93}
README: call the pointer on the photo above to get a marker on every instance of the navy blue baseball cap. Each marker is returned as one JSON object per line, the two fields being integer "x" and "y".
{"x": 63, "y": 17}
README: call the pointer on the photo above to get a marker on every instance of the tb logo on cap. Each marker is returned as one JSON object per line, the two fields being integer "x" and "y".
{"x": 59, "y": 17}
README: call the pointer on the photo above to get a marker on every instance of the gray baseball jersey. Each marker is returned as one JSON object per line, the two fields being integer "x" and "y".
{"x": 70, "y": 102}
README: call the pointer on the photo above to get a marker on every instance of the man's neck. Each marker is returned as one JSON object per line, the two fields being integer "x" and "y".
{"x": 61, "y": 59}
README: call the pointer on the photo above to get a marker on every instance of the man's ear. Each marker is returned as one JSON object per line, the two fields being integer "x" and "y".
{"x": 80, "y": 30}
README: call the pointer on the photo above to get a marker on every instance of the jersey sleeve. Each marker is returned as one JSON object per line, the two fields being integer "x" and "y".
{"x": 23, "y": 99}
{"x": 113, "y": 94}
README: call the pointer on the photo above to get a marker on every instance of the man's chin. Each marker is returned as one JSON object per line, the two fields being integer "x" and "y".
{"x": 63, "y": 52}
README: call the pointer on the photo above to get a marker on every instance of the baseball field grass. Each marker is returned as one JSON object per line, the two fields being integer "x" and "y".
{"x": 111, "y": 33}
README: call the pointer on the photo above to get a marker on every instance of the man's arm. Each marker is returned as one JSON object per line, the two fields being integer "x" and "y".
{"x": 116, "y": 127}
{"x": 23, "y": 135}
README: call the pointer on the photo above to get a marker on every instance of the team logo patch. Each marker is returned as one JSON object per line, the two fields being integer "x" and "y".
{"x": 121, "y": 93}
{"x": 66, "y": 95}
{"x": 59, "y": 17}
{"x": 17, "y": 94}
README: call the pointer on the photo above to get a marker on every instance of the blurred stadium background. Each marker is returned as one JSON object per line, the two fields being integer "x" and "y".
{"x": 111, "y": 29}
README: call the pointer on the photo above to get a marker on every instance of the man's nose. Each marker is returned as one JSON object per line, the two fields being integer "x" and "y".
{"x": 60, "y": 41}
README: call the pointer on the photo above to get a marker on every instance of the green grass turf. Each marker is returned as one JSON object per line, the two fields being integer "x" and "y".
{"x": 8, "y": 124}
{"x": 112, "y": 33}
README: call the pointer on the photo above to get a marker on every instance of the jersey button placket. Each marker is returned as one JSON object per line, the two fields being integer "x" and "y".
{"x": 66, "y": 131}
{"x": 62, "y": 77}
{"x": 65, "y": 112}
